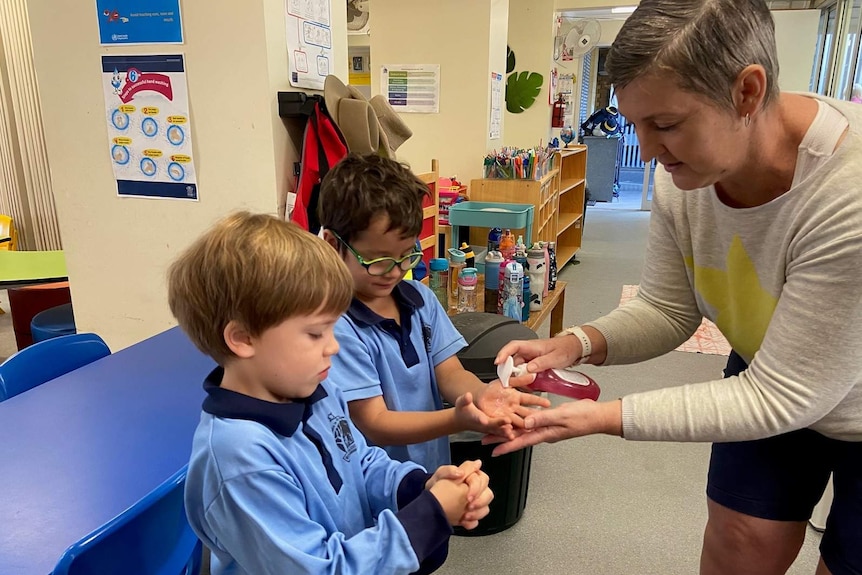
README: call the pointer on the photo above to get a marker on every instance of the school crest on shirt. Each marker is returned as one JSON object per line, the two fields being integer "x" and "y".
{"x": 343, "y": 435}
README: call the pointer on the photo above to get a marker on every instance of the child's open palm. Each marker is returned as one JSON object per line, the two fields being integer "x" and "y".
{"x": 508, "y": 402}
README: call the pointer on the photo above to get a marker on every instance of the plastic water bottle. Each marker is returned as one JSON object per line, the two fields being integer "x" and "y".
{"x": 469, "y": 256}
{"x": 536, "y": 267}
{"x": 439, "y": 280}
{"x": 467, "y": 281}
{"x": 494, "y": 239}
{"x": 492, "y": 280}
{"x": 552, "y": 267}
{"x": 512, "y": 289}
{"x": 501, "y": 283}
{"x": 507, "y": 245}
{"x": 456, "y": 264}
{"x": 547, "y": 269}
{"x": 525, "y": 309}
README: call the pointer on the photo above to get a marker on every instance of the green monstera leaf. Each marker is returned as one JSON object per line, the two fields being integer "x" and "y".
{"x": 510, "y": 60}
{"x": 522, "y": 89}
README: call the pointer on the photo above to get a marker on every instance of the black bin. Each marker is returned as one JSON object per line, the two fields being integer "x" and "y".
{"x": 509, "y": 475}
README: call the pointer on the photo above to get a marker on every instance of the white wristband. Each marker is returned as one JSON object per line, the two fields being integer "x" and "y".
{"x": 586, "y": 344}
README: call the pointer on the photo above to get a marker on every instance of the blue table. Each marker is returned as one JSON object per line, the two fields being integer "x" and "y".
{"x": 80, "y": 449}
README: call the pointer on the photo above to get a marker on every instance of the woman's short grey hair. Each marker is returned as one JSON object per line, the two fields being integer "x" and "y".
{"x": 703, "y": 44}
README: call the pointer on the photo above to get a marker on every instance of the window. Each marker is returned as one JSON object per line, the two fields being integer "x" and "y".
{"x": 825, "y": 50}
{"x": 586, "y": 75}
{"x": 836, "y": 61}
{"x": 849, "y": 52}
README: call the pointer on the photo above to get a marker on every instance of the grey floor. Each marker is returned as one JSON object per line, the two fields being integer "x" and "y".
{"x": 600, "y": 505}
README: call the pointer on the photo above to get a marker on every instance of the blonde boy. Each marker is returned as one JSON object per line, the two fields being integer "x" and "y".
{"x": 279, "y": 480}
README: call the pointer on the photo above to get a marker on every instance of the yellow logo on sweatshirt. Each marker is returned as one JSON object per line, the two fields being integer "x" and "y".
{"x": 744, "y": 308}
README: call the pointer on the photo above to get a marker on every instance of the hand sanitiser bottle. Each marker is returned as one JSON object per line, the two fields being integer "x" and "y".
{"x": 566, "y": 382}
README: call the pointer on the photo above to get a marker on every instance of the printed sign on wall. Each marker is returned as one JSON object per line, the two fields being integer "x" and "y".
{"x": 149, "y": 129}
{"x": 139, "y": 22}
{"x": 309, "y": 42}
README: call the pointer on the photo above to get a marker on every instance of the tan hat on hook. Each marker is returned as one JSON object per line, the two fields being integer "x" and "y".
{"x": 367, "y": 127}
{"x": 353, "y": 115}
{"x": 391, "y": 123}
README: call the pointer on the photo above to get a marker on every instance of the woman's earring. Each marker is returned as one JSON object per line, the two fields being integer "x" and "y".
{"x": 747, "y": 120}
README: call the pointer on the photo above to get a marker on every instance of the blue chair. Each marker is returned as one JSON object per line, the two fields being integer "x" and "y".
{"x": 43, "y": 361}
{"x": 152, "y": 537}
{"x": 53, "y": 322}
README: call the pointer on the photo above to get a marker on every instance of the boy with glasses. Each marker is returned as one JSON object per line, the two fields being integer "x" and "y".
{"x": 397, "y": 362}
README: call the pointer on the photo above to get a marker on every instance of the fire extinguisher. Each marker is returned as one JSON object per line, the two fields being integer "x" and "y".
{"x": 558, "y": 112}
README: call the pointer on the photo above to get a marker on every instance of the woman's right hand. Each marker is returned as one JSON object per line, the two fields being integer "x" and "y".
{"x": 542, "y": 354}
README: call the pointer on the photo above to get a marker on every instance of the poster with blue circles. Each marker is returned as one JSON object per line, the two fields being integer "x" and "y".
{"x": 149, "y": 128}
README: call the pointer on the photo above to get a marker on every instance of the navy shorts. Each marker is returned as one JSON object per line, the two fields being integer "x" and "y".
{"x": 783, "y": 478}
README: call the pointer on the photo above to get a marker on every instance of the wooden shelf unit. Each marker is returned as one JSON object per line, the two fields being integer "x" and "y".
{"x": 558, "y": 202}
{"x": 428, "y": 237}
{"x": 542, "y": 194}
{"x": 572, "y": 163}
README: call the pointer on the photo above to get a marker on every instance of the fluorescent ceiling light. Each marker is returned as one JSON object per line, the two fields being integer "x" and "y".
{"x": 623, "y": 9}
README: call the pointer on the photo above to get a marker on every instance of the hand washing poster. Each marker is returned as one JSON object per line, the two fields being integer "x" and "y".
{"x": 149, "y": 129}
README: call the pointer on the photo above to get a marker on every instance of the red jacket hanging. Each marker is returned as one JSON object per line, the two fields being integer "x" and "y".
{"x": 322, "y": 148}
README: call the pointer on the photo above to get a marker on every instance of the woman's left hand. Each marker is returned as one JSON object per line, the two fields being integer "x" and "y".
{"x": 570, "y": 419}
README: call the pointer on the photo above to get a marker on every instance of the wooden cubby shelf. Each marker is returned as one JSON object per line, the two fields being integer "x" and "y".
{"x": 558, "y": 202}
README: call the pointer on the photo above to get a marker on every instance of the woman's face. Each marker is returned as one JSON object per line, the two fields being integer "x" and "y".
{"x": 697, "y": 142}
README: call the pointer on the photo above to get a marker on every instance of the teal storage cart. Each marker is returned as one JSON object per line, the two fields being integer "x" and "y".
{"x": 491, "y": 215}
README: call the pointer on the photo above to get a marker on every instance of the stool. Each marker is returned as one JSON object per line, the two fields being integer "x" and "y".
{"x": 26, "y": 302}
{"x": 52, "y": 323}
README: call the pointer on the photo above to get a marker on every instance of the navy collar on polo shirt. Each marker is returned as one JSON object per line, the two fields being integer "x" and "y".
{"x": 408, "y": 299}
{"x": 282, "y": 418}
{"x": 405, "y": 296}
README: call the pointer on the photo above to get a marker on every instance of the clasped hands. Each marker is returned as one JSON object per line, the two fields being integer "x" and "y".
{"x": 462, "y": 492}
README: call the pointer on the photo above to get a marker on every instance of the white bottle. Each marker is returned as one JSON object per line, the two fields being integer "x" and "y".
{"x": 536, "y": 267}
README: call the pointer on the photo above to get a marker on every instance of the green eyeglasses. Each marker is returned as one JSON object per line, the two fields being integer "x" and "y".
{"x": 382, "y": 266}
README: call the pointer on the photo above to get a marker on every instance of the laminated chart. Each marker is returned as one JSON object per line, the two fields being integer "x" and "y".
{"x": 149, "y": 130}
{"x": 309, "y": 42}
{"x": 412, "y": 87}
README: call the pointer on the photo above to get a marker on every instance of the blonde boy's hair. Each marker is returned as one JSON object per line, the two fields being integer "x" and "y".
{"x": 256, "y": 270}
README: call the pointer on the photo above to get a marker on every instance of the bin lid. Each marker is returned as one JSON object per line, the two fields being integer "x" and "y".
{"x": 486, "y": 334}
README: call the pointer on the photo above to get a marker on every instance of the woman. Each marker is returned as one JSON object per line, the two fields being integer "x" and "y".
{"x": 757, "y": 225}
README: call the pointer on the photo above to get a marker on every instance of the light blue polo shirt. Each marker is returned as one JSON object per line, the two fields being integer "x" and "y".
{"x": 379, "y": 357}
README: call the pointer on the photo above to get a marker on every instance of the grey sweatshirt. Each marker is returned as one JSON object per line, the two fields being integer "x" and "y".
{"x": 783, "y": 282}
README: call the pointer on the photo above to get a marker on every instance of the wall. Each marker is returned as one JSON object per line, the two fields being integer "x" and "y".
{"x": 610, "y": 29}
{"x": 118, "y": 249}
{"x": 795, "y": 37}
{"x": 561, "y": 5}
{"x": 531, "y": 37}
{"x": 458, "y": 36}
